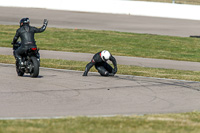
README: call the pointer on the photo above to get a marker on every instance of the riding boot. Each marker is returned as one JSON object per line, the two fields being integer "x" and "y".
{"x": 20, "y": 62}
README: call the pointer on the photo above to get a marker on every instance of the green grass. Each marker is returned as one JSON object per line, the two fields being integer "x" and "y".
{"x": 129, "y": 44}
{"x": 163, "y": 123}
{"x": 122, "y": 69}
{"x": 118, "y": 43}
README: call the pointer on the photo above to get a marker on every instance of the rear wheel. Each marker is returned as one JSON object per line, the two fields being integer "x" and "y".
{"x": 19, "y": 71}
{"x": 35, "y": 67}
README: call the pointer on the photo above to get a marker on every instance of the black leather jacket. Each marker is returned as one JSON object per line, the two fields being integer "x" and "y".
{"x": 26, "y": 33}
{"x": 97, "y": 60}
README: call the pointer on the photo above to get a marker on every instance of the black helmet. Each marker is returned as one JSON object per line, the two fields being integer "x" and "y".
{"x": 24, "y": 21}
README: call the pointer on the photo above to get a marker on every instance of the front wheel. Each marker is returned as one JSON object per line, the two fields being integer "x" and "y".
{"x": 35, "y": 67}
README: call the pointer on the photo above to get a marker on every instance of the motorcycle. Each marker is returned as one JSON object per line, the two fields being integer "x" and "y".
{"x": 30, "y": 61}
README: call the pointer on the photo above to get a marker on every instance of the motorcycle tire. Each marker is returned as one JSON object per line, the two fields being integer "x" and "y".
{"x": 19, "y": 71}
{"x": 35, "y": 71}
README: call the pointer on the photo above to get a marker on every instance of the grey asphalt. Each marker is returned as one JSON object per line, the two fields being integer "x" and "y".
{"x": 100, "y": 21}
{"x": 57, "y": 93}
{"x": 123, "y": 60}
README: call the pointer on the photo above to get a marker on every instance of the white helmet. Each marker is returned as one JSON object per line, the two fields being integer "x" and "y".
{"x": 105, "y": 55}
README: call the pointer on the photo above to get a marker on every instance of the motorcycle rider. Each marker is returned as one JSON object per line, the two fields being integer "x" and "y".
{"x": 26, "y": 34}
{"x": 100, "y": 61}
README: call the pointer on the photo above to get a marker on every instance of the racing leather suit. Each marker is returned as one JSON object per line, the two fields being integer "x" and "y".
{"x": 102, "y": 66}
{"x": 26, "y": 33}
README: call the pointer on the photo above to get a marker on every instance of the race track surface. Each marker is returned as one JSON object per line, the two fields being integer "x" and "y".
{"x": 100, "y": 21}
{"x": 57, "y": 93}
{"x": 123, "y": 60}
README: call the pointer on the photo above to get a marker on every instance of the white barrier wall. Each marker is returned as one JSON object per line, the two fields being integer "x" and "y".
{"x": 168, "y": 10}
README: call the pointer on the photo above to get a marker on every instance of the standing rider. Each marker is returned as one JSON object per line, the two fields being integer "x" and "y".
{"x": 26, "y": 34}
{"x": 100, "y": 61}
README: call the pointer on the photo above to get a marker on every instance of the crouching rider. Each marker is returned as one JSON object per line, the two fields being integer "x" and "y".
{"x": 99, "y": 60}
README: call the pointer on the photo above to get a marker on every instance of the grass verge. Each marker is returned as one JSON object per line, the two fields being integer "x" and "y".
{"x": 163, "y": 123}
{"x": 122, "y": 69}
{"x": 118, "y": 43}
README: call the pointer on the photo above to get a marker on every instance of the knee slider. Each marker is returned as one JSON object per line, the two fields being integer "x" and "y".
{"x": 106, "y": 73}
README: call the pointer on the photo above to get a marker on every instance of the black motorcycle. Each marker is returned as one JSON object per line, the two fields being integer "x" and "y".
{"x": 30, "y": 61}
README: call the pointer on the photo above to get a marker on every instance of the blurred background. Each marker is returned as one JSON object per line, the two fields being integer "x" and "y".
{"x": 193, "y": 2}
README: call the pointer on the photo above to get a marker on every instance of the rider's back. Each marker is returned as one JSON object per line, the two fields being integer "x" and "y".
{"x": 26, "y": 34}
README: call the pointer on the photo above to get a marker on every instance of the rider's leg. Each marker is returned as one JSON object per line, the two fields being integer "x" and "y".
{"x": 102, "y": 70}
{"x": 108, "y": 67}
{"x": 18, "y": 54}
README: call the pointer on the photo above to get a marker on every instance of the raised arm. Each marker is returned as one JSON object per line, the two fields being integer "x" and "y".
{"x": 43, "y": 28}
